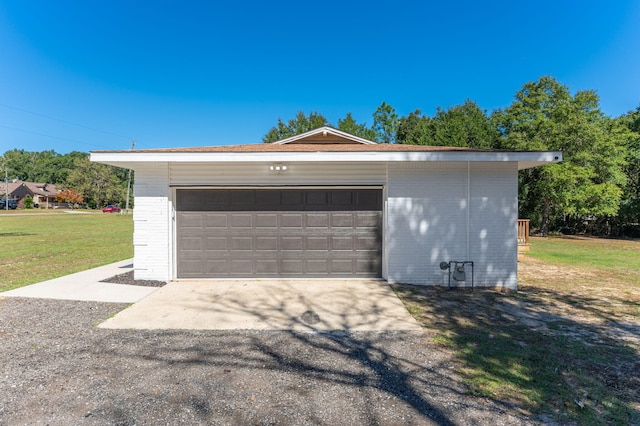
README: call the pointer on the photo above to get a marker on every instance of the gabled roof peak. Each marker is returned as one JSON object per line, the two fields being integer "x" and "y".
{"x": 325, "y": 135}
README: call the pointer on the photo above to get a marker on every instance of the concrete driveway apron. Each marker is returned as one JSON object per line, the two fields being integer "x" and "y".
{"x": 269, "y": 304}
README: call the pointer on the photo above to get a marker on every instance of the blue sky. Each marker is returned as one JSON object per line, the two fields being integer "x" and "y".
{"x": 89, "y": 75}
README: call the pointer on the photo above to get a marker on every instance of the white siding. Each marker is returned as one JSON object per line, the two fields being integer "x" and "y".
{"x": 259, "y": 174}
{"x": 152, "y": 235}
{"x": 451, "y": 211}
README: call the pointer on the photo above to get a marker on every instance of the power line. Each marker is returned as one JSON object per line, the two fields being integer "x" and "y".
{"x": 51, "y": 136}
{"x": 61, "y": 121}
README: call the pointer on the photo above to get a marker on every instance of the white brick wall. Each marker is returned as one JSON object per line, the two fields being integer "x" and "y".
{"x": 428, "y": 220}
{"x": 152, "y": 236}
{"x": 494, "y": 223}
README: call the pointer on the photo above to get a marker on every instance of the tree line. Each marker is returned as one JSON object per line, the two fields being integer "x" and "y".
{"x": 596, "y": 188}
{"x": 98, "y": 184}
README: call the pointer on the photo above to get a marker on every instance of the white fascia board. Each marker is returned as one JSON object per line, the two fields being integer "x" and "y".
{"x": 524, "y": 159}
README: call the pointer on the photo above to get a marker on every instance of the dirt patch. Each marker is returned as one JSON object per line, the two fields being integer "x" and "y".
{"x": 586, "y": 297}
{"x": 567, "y": 343}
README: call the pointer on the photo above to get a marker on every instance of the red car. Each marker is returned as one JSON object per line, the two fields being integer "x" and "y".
{"x": 111, "y": 209}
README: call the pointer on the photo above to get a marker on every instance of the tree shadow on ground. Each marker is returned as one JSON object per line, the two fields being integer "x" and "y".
{"x": 393, "y": 377}
{"x": 555, "y": 354}
{"x": 331, "y": 378}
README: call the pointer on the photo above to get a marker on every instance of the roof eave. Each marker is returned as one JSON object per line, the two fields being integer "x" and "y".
{"x": 524, "y": 159}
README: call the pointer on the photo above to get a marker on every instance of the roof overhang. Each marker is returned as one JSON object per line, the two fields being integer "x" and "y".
{"x": 135, "y": 159}
{"x": 323, "y": 145}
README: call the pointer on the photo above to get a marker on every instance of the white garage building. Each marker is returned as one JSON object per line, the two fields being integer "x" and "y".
{"x": 325, "y": 204}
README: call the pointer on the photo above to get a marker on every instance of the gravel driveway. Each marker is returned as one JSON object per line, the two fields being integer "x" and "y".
{"x": 58, "y": 368}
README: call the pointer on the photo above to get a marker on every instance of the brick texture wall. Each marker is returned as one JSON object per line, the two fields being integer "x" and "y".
{"x": 451, "y": 211}
{"x": 152, "y": 226}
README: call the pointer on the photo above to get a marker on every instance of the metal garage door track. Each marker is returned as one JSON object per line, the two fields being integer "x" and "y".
{"x": 269, "y": 304}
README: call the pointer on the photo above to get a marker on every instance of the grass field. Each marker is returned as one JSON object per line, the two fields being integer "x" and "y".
{"x": 565, "y": 348}
{"x": 615, "y": 257}
{"x": 39, "y": 246}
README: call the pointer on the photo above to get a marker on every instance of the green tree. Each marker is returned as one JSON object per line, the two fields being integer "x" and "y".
{"x": 21, "y": 164}
{"x": 630, "y": 204}
{"x": 587, "y": 184}
{"x": 349, "y": 125}
{"x": 385, "y": 123}
{"x": 46, "y": 166}
{"x": 415, "y": 129}
{"x": 295, "y": 126}
{"x": 465, "y": 125}
{"x": 99, "y": 184}
{"x": 58, "y": 167}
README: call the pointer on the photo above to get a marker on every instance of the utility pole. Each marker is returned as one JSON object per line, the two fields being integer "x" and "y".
{"x": 126, "y": 208}
{"x": 6, "y": 189}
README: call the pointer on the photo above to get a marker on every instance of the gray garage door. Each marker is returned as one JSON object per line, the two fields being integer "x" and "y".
{"x": 279, "y": 233}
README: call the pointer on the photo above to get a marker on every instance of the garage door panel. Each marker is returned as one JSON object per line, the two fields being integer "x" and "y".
{"x": 317, "y": 243}
{"x": 242, "y": 220}
{"x": 214, "y": 200}
{"x": 215, "y": 220}
{"x": 266, "y": 266}
{"x": 241, "y": 244}
{"x": 216, "y": 243}
{"x": 289, "y": 220}
{"x": 317, "y": 200}
{"x": 293, "y": 198}
{"x": 341, "y": 220}
{"x": 292, "y": 266}
{"x": 368, "y": 199}
{"x": 317, "y": 220}
{"x": 317, "y": 266}
{"x": 216, "y": 267}
{"x": 368, "y": 266}
{"x": 267, "y": 244}
{"x": 291, "y": 244}
{"x": 267, "y": 199}
{"x": 192, "y": 267}
{"x": 191, "y": 243}
{"x": 342, "y": 266}
{"x": 244, "y": 200}
{"x": 192, "y": 221}
{"x": 342, "y": 199}
{"x": 193, "y": 255}
{"x": 367, "y": 220}
{"x": 367, "y": 244}
{"x": 266, "y": 220}
{"x": 274, "y": 232}
{"x": 342, "y": 243}
{"x": 242, "y": 267}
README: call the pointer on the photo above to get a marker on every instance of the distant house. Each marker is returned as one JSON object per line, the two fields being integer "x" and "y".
{"x": 43, "y": 194}
{"x": 7, "y": 189}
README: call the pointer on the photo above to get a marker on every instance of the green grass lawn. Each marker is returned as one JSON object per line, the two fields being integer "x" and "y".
{"x": 37, "y": 247}
{"x": 612, "y": 256}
